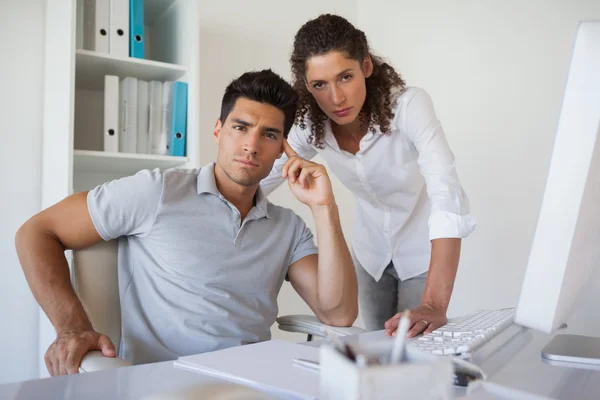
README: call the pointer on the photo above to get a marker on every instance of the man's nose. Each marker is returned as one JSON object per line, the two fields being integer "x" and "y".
{"x": 252, "y": 143}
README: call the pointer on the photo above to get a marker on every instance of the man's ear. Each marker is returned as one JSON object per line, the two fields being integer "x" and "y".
{"x": 367, "y": 66}
{"x": 217, "y": 131}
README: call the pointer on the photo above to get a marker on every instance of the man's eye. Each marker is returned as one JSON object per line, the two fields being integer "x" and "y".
{"x": 239, "y": 127}
{"x": 347, "y": 77}
{"x": 271, "y": 135}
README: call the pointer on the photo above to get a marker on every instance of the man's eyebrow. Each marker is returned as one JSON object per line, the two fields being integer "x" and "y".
{"x": 241, "y": 122}
{"x": 273, "y": 130}
{"x": 266, "y": 129}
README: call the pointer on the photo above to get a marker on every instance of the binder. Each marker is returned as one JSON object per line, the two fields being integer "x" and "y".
{"x": 179, "y": 119}
{"x": 111, "y": 113}
{"x": 119, "y": 28}
{"x": 143, "y": 142}
{"x": 128, "y": 115}
{"x": 167, "y": 119}
{"x": 136, "y": 28}
{"x": 155, "y": 117}
{"x": 96, "y": 25}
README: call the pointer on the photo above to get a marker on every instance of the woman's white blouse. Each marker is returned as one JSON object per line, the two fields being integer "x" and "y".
{"x": 406, "y": 187}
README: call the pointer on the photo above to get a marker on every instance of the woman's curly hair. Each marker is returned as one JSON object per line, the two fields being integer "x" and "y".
{"x": 333, "y": 33}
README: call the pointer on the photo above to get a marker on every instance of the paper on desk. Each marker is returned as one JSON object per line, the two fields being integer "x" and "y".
{"x": 483, "y": 390}
{"x": 266, "y": 366}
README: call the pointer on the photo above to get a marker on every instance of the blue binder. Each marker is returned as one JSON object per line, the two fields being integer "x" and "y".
{"x": 136, "y": 28}
{"x": 179, "y": 121}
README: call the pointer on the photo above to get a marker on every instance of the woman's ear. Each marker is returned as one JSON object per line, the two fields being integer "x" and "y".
{"x": 367, "y": 66}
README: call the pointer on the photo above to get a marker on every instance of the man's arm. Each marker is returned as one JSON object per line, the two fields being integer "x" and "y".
{"x": 327, "y": 282}
{"x": 40, "y": 244}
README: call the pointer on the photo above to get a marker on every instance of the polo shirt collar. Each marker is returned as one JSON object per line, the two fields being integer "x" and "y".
{"x": 206, "y": 183}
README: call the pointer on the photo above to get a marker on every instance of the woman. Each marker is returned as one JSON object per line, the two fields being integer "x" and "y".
{"x": 384, "y": 142}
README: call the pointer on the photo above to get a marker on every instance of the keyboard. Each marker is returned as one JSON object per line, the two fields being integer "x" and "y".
{"x": 465, "y": 334}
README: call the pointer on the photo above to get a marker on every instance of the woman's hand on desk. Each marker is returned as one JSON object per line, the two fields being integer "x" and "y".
{"x": 65, "y": 353}
{"x": 423, "y": 319}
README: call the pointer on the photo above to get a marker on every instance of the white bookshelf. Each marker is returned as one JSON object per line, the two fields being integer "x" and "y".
{"x": 90, "y": 68}
{"x": 85, "y": 161}
{"x": 72, "y": 149}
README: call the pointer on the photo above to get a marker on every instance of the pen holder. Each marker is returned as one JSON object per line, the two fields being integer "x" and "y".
{"x": 418, "y": 376}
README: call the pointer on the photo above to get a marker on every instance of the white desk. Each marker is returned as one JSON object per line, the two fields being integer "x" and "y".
{"x": 512, "y": 359}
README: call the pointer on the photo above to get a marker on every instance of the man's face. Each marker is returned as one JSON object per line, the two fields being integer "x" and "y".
{"x": 250, "y": 140}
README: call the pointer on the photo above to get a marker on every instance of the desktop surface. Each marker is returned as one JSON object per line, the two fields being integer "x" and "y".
{"x": 512, "y": 359}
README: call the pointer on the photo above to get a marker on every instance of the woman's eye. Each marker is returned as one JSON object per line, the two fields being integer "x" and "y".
{"x": 318, "y": 85}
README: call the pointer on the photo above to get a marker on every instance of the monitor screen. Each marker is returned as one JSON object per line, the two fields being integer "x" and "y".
{"x": 566, "y": 245}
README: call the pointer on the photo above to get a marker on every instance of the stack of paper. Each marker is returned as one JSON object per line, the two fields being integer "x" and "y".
{"x": 267, "y": 366}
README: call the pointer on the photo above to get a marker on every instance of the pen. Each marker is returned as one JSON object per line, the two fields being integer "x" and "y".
{"x": 308, "y": 364}
{"x": 401, "y": 332}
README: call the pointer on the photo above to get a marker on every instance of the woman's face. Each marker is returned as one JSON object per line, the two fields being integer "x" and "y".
{"x": 338, "y": 85}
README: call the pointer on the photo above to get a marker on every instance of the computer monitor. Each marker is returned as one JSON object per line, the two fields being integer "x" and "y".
{"x": 566, "y": 247}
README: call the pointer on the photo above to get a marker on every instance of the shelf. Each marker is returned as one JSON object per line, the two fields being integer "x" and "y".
{"x": 91, "y": 67}
{"x": 124, "y": 163}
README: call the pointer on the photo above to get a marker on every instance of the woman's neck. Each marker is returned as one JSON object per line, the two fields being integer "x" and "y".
{"x": 355, "y": 129}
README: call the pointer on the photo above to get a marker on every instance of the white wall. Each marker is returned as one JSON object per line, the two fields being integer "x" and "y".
{"x": 236, "y": 37}
{"x": 496, "y": 72}
{"x": 21, "y": 46}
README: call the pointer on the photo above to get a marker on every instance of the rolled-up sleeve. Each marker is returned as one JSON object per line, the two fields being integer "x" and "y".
{"x": 450, "y": 211}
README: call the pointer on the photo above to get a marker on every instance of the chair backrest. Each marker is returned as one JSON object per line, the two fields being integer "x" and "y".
{"x": 95, "y": 279}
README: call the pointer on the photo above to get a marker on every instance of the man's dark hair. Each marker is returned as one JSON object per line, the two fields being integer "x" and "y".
{"x": 264, "y": 87}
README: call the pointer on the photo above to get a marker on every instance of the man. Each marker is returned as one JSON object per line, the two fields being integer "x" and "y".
{"x": 203, "y": 254}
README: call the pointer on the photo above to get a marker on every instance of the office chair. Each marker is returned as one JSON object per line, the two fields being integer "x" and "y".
{"x": 95, "y": 280}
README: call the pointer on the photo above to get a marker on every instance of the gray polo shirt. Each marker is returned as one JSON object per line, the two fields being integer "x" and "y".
{"x": 192, "y": 277}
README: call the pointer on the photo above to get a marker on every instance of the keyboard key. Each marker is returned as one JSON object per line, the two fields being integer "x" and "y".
{"x": 459, "y": 334}
{"x": 467, "y": 334}
{"x": 462, "y": 349}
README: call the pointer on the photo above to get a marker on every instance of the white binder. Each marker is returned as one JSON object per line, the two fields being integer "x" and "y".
{"x": 155, "y": 89}
{"x": 111, "y": 113}
{"x": 96, "y": 27}
{"x": 128, "y": 115}
{"x": 119, "y": 28}
{"x": 167, "y": 118}
{"x": 143, "y": 141}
